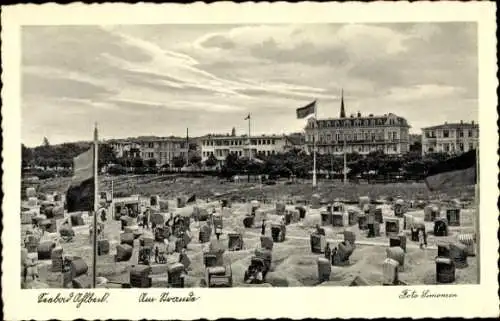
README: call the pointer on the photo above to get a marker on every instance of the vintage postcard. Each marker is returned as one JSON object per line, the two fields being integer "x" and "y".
{"x": 310, "y": 160}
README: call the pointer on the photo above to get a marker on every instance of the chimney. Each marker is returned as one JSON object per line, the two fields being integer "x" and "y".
{"x": 233, "y": 132}
{"x": 461, "y": 122}
{"x": 359, "y": 114}
{"x": 472, "y": 122}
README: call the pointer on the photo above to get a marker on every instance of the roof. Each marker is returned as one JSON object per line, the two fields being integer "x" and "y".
{"x": 338, "y": 122}
{"x": 453, "y": 125}
{"x": 263, "y": 136}
{"x": 296, "y": 139}
{"x": 139, "y": 140}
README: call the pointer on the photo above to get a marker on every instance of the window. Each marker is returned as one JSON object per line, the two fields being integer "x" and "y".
{"x": 470, "y": 133}
{"x": 461, "y": 133}
{"x": 394, "y": 135}
{"x": 446, "y": 133}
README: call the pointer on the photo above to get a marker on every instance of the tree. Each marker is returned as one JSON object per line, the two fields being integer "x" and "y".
{"x": 195, "y": 160}
{"x": 151, "y": 163}
{"x": 211, "y": 161}
{"x": 45, "y": 142}
{"x": 416, "y": 147}
{"x": 124, "y": 161}
{"x": 26, "y": 156}
{"x": 178, "y": 161}
{"x": 106, "y": 155}
{"x": 137, "y": 162}
{"x": 233, "y": 162}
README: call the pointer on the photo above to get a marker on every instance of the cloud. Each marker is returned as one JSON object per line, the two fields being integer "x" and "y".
{"x": 153, "y": 79}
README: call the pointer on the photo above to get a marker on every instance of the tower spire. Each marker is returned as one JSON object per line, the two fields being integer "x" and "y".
{"x": 342, "y": 107}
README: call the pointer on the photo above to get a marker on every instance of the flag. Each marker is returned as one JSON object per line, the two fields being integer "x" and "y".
{"x": 191, "y": 199}
{"x": 307, "y": 110}
{"x": 455, "y": 171}
{"x": 80, "y": 195}
{"x": 248, "y": 117}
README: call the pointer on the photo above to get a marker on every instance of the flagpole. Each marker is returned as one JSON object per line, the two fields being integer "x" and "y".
{"x": 187, "y": 147}
{"x": 345, "y": 162}
{"x": 96, "y": 208}
{"x": 314, "y": 143}
{"x": 249, "y": 140}
{"x": 249, "y": 147}
{"x": 112, "y": 199}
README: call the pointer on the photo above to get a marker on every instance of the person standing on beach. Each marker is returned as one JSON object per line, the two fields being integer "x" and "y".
{"x": 157, "y": 251}
{"x": 263, "y": 227}
{"x": 145, "y": 219}
{"x": 421, "y": 240}
{"x": 328, "y": 251}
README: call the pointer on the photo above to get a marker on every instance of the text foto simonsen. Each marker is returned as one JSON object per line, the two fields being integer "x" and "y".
{"x": 425, "y": 294}
{"x": 79, "y": 298}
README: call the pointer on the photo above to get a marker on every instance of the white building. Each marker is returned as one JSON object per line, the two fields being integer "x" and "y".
{"x": 360, "y": 134}
{"x": 451, "y": 138}
{"x": 162, "y": 149}
{"x": 221, "y": 146}
{"x": 125, "y": 148}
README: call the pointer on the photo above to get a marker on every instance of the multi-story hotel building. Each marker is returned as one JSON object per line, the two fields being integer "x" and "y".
{"x": 451, "y": 138}
{"x": 162, "y": 149}
{"x": 361, "y": 134}
{"x": 125, "y": 147}
{"x": 220, "y": 146}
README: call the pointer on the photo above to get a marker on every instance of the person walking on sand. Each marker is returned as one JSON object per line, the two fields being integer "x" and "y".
{"x": 145, "y": 222}
{"x": 157, "y": 251}
{"x": 421, "y": 240}
{"x": 263, "y": 228}
{"x": 103, "y": 214}
{"x": 328, "y": 251}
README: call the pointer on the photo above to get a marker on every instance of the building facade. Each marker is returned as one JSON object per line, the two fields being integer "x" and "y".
{"x": 125, "y": 148}
{"x": 359, "y": 134}
{"x": 451, "y": 138}
{"x": 388, "y": 133}
{"x": 162, "y": 149}
{"x": 220, "y": 146}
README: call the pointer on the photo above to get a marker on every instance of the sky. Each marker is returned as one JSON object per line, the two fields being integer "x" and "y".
{"x": 137, "y": 80}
